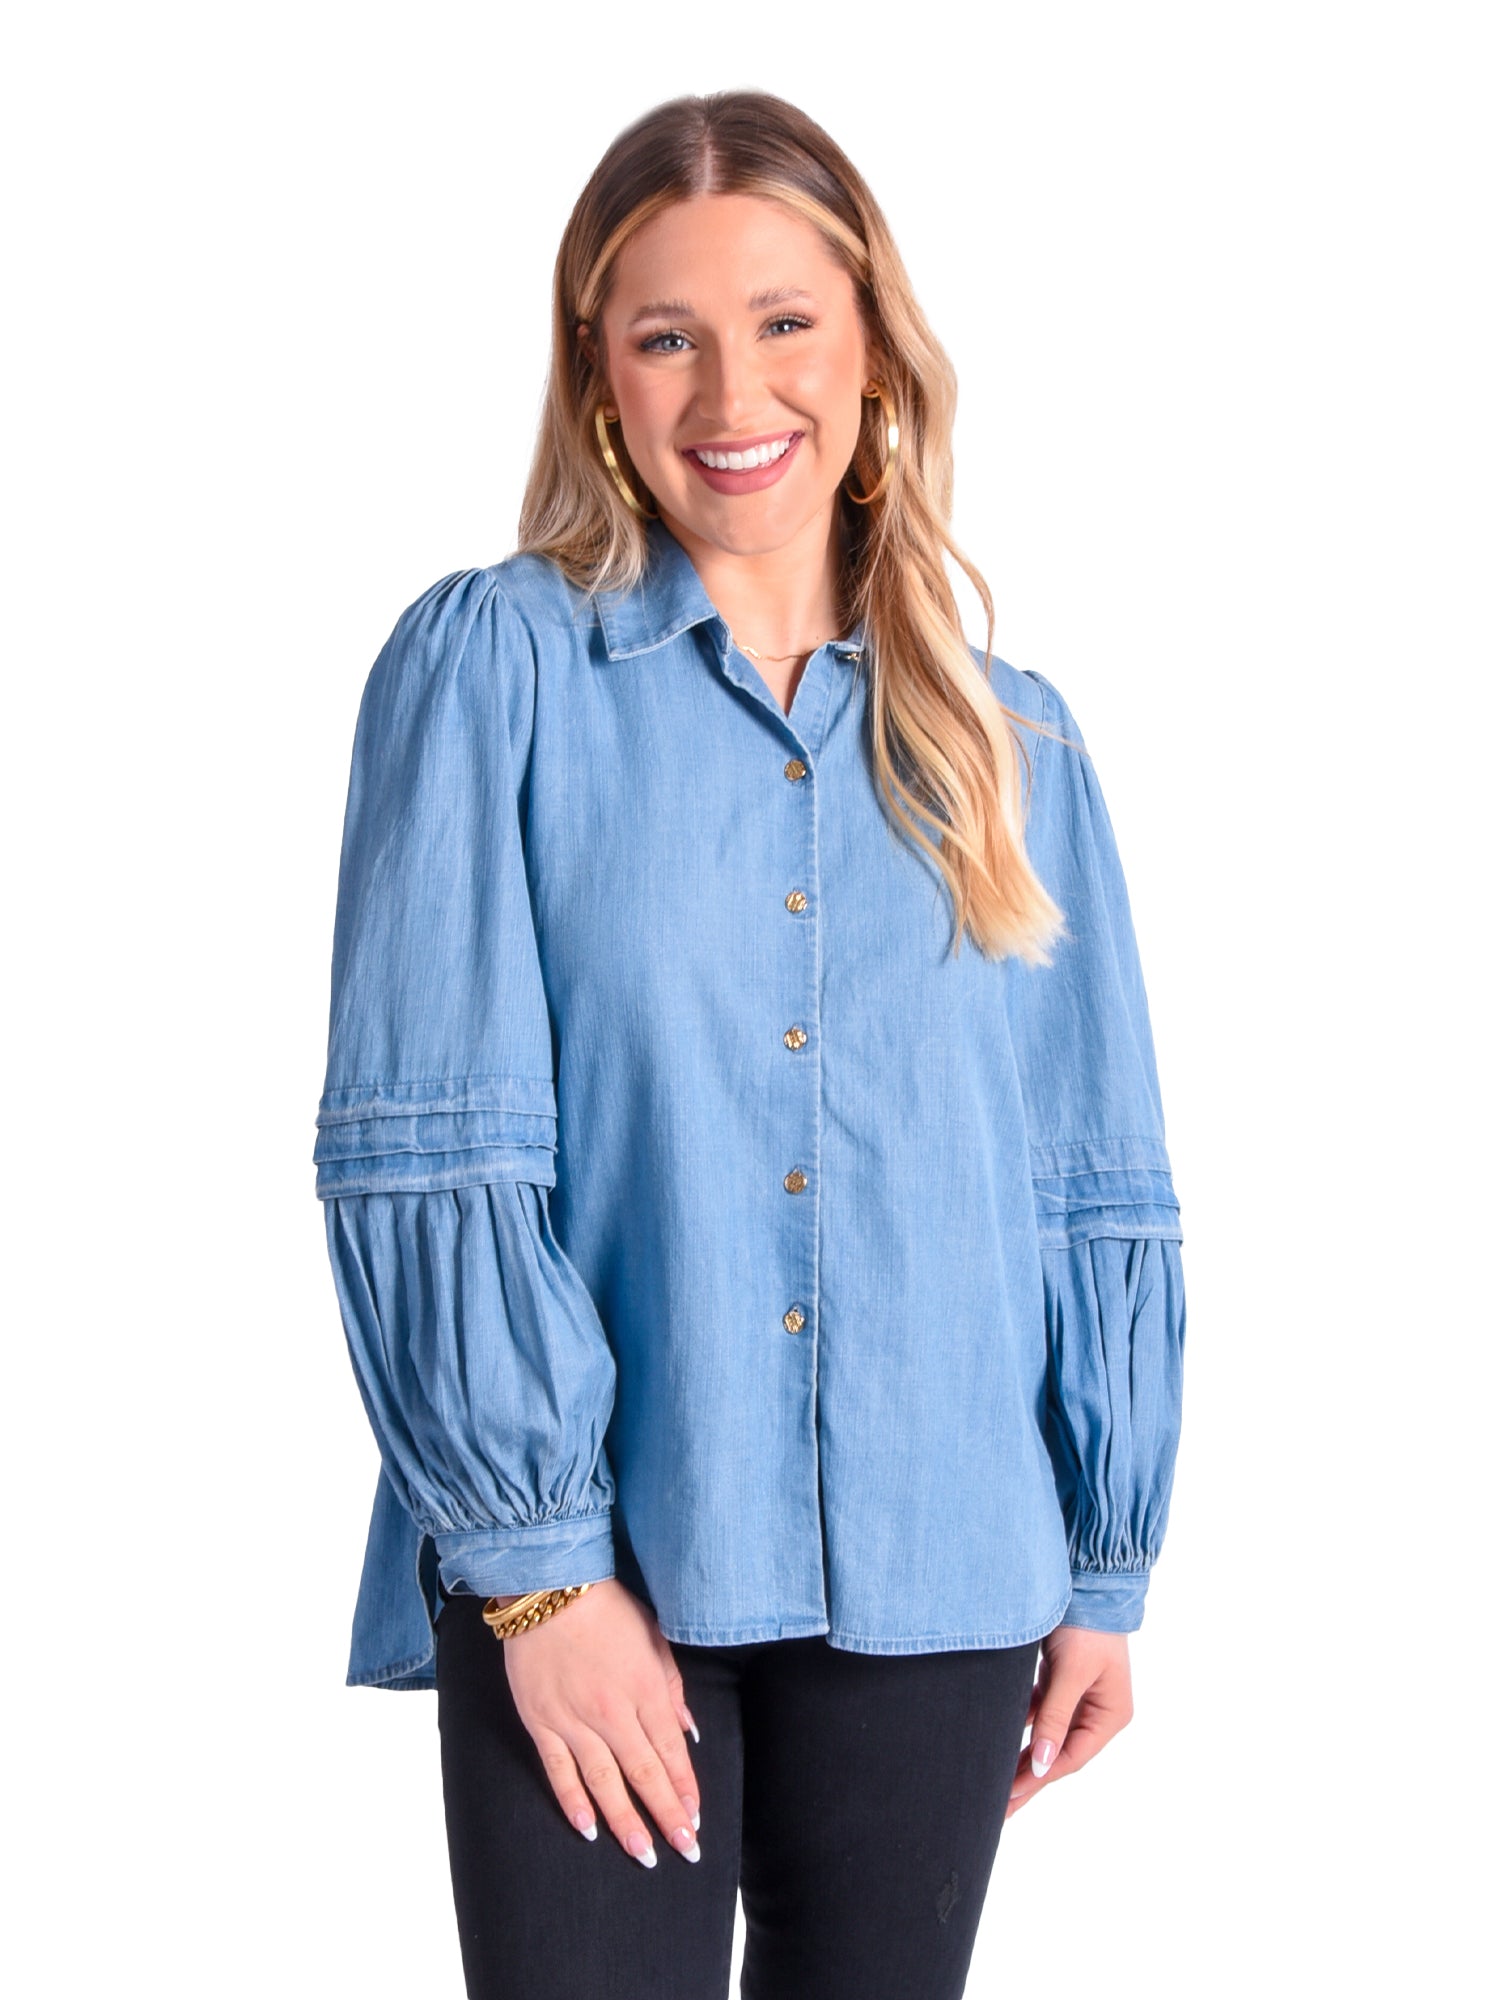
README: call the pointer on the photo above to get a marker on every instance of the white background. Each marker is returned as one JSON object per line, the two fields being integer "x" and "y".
{"x": 1219, "y": 284}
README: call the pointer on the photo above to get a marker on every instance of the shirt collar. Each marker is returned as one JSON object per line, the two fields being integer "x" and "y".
{"x": 668, "y": 600}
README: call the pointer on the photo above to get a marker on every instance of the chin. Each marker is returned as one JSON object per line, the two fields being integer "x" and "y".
{"x": 746, "y": 541}
{"x": 739, "y": 528}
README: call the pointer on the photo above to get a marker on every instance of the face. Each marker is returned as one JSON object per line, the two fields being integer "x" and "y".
{"x": 731, "y": 328}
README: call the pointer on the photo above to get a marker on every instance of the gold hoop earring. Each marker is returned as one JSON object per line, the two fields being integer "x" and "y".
{"x": 892, "y": 446}
{"x": 602, "y": 416}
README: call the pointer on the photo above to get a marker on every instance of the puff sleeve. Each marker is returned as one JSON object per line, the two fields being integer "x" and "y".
{"x": 1108, "y": 1217}
{"x": 483, "y": 1367}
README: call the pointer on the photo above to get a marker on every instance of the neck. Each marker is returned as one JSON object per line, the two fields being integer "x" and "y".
{"x": 783, "y": 601}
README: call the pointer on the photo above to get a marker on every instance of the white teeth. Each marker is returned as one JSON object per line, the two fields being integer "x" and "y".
{"x": 741, "y": 461}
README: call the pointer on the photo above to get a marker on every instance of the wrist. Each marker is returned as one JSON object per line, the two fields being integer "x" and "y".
{"x": 509, "y": 1617}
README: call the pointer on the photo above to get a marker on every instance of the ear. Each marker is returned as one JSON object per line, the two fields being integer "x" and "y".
{"x": 877, "y": 353}
{"x": 589, "y": 346}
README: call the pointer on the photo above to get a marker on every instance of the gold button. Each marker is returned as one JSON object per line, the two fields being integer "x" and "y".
{"x": 795, "y": 1181}
{"x": 796, "y": 901}
{"x": 795, "y": 1038}
{"x": 794, "y": 1319}
{"x": 795, "y": 768}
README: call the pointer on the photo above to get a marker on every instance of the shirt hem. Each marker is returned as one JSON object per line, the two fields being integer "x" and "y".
{"x": 416, "y": 1672}
{"x": 847, "y": 1641}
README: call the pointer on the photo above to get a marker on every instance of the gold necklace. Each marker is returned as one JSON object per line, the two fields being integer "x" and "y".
{"x": 777, "y": 658}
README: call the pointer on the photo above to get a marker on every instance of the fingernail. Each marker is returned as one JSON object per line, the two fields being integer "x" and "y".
{"x": 640, "y": 1846}
{"x": 585, "y": 1825}
{"x": 688, "y": 1718}
{"x": 697, "y": 1822}
{"x": 691, "y": 1851}
{"x": 1041, "y": 1757}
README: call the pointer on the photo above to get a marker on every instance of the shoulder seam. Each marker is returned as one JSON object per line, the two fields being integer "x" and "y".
{"x": 1053, "y": 715}
{"x": 1052, "y": 704}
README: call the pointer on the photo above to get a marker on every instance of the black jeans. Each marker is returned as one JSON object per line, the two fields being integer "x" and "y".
{"x": 854, "y": 1801}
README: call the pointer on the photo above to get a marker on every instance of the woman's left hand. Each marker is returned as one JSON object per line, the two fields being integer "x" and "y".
{"x": 1081, "y": 1699}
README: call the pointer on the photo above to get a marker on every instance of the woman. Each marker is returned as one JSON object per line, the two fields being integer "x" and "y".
{"x": 742, "y": 1146}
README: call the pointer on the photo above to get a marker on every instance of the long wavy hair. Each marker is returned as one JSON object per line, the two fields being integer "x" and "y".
{"x": 945, "y": 751}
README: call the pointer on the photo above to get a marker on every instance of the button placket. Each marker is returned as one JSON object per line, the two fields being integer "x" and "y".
{"x": 800, "y": 1236}
{"x": 797, "y": 1180}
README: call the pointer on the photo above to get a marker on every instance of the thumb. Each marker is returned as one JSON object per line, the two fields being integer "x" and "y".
{"x": 1054, "y": 1716}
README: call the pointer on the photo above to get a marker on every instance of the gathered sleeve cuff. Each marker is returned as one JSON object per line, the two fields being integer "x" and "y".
{"x": 1115, "y": 1330}
{"x": 486, "y": 1378}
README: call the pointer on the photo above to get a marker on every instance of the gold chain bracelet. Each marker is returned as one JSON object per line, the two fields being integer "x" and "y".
{"x": 505, "y": 1621}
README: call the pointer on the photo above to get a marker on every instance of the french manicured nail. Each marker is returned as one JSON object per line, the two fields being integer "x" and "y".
{"x": 1041, "y": 1757}
{"x": 687, "y": 1716}
{"x": 697, "y": 1822}
{"x": 640, "y": 1846}
{"x": 585, "y": 1825}
{"x": 685, "y": 1844}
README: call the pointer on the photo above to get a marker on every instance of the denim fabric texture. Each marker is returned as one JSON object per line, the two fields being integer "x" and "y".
{"x": 695, "y": 1215}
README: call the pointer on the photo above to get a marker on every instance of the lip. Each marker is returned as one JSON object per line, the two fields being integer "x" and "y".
{"x": 758, "y": 477}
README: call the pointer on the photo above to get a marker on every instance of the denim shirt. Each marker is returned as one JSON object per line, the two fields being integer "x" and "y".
{"x": 696, "y": 1216}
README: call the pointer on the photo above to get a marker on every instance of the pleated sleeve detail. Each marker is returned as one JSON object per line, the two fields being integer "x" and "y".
{"x": 480, "y": 1356}
{"x": 1108, "y": 1219}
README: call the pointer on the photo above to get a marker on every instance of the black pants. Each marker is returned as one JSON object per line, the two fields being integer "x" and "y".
{"x": 853, "y": 1800}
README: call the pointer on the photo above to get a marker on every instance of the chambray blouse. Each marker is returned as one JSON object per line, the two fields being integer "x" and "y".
{"x": 695, "y": 1216}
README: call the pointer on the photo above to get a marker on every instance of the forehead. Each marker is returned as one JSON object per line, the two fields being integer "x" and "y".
{"x": 718, "y": 251}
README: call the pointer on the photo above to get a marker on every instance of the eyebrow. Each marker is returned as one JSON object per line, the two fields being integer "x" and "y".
{"x": 783, "y": 295}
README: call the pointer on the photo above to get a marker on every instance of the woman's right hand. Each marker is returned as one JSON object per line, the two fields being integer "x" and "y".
{"x": 601, "y": 1696}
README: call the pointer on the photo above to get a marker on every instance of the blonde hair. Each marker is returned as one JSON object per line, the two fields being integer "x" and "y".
{"x": 944, "y": 749}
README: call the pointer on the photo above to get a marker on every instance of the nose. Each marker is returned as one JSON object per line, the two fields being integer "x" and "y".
{"x": 731, "y": 389}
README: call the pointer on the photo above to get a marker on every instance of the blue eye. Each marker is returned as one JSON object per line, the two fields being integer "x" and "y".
{"x": 656, "y": 343}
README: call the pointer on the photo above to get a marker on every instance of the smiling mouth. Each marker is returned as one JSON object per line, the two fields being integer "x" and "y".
{"x": 748, "y": 459}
